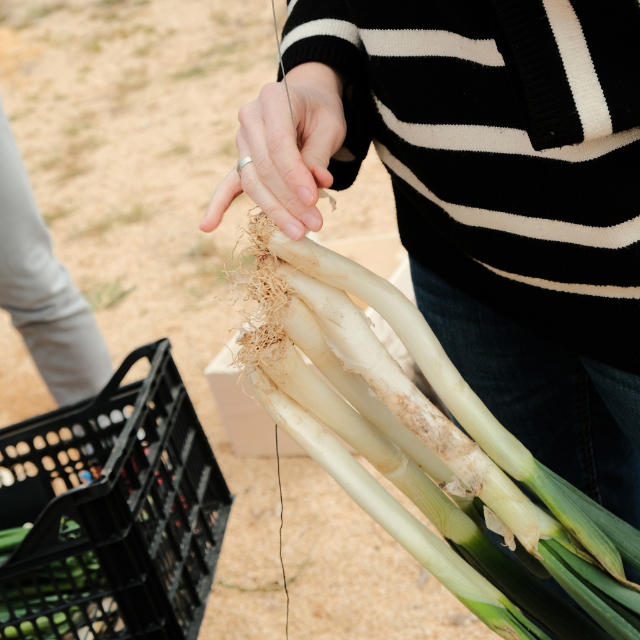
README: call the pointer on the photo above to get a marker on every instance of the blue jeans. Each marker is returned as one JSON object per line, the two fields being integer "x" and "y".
{"x": 579, "y": 417}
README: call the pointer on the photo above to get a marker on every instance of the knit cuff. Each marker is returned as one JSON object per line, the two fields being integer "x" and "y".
{"x": 343, "y": 56}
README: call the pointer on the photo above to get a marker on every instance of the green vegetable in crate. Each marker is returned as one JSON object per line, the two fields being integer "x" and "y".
{"x": 10, "y": 539}
{"x": 50, "y": 584}
{"x": 408, "y": 438}
{"x": 43, "y": 628}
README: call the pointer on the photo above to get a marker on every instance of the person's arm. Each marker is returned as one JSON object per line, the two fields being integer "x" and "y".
{"x": 321, "y": 48}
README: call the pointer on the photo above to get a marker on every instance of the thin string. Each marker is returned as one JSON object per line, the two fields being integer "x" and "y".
{"x": 295, "y": 133}
{"x": 284, "y": 577}
{"x": 284, "y": 77}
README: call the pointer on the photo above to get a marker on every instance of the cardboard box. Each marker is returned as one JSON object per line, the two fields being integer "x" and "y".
{"x": 251, "y": 431}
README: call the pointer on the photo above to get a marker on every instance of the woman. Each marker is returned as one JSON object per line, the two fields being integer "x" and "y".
{"x": 510, "y": 133}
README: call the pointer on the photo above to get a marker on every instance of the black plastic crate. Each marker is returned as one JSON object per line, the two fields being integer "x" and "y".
{"x": 129, "y": 510}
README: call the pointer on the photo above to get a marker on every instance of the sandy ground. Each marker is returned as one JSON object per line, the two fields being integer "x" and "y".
{"x": 125, "y": 112}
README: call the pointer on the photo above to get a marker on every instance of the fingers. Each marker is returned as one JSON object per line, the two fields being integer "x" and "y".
{"x": 226, "y": 192}
{"x": 282, "y": 179}
{"x": 281, "y": 154}
{"x": 267, "y": 126}
{"x": 260, "y": 193}
{"x": 322, "y": 129}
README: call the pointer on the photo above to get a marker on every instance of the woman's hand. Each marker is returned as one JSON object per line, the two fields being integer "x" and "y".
{"x": 282, "y": 179}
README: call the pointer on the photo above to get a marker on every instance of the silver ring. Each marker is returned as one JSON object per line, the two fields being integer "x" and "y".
{"x": 242, "y": 162}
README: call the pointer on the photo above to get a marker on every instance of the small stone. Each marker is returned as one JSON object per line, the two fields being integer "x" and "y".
{"x": 423, "y": 576}
{"x": 460, "y": 619}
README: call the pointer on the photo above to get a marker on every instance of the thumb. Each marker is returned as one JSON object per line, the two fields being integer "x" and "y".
{"x": 316, "y": 153}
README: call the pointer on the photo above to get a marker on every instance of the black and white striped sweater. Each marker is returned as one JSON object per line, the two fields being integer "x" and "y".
{"x": 510, "y": 129}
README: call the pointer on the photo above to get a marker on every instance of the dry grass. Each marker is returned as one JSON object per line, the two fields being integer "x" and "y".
{"x": 73, "y": 155}
{"x": 196, "y": 71}
{"x": 15, "y": 116}
{"x": 57, "y": 213}
{"x": 105, "y": 295}
{"x": 34, "y": 14}
{"x": 102, "y": 39}
{"x": 182, "y": 148}
{"x": 80, "y": 124}
{"x": 65, "y": 167}
{"x": 203, "y": 248}
{"x": 207, "y": 266}
{"x": 146, "y": 49}
{"x": 131, "y": 81}
{"x": 137, "y": 213}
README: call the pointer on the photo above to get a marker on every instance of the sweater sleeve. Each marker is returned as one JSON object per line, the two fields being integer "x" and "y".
{"x": 324, "y": 31}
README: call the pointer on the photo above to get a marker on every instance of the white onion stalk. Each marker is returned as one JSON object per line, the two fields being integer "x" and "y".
{"x": 411, "y": 327}
{"x": 301, "y": 326}
{"x": 289, "y": 372}
{"x": 266, "y": 346}
{"x": 294, "y": 378}
{"x": 351, "y": 337}
{"x": 474, "y": 591}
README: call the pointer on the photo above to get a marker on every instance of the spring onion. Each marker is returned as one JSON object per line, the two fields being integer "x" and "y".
{"x": 474, "y": 591}
{"x": 408, "y": 323}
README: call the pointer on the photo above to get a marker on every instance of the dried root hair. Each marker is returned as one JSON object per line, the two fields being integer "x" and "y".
{"x": 263, "y": 284}
{"x": 259, "y": 229}
{"x": 263, "y": 339}
{"x": 261, "y": 345}
{"x": 260, "y": 280}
